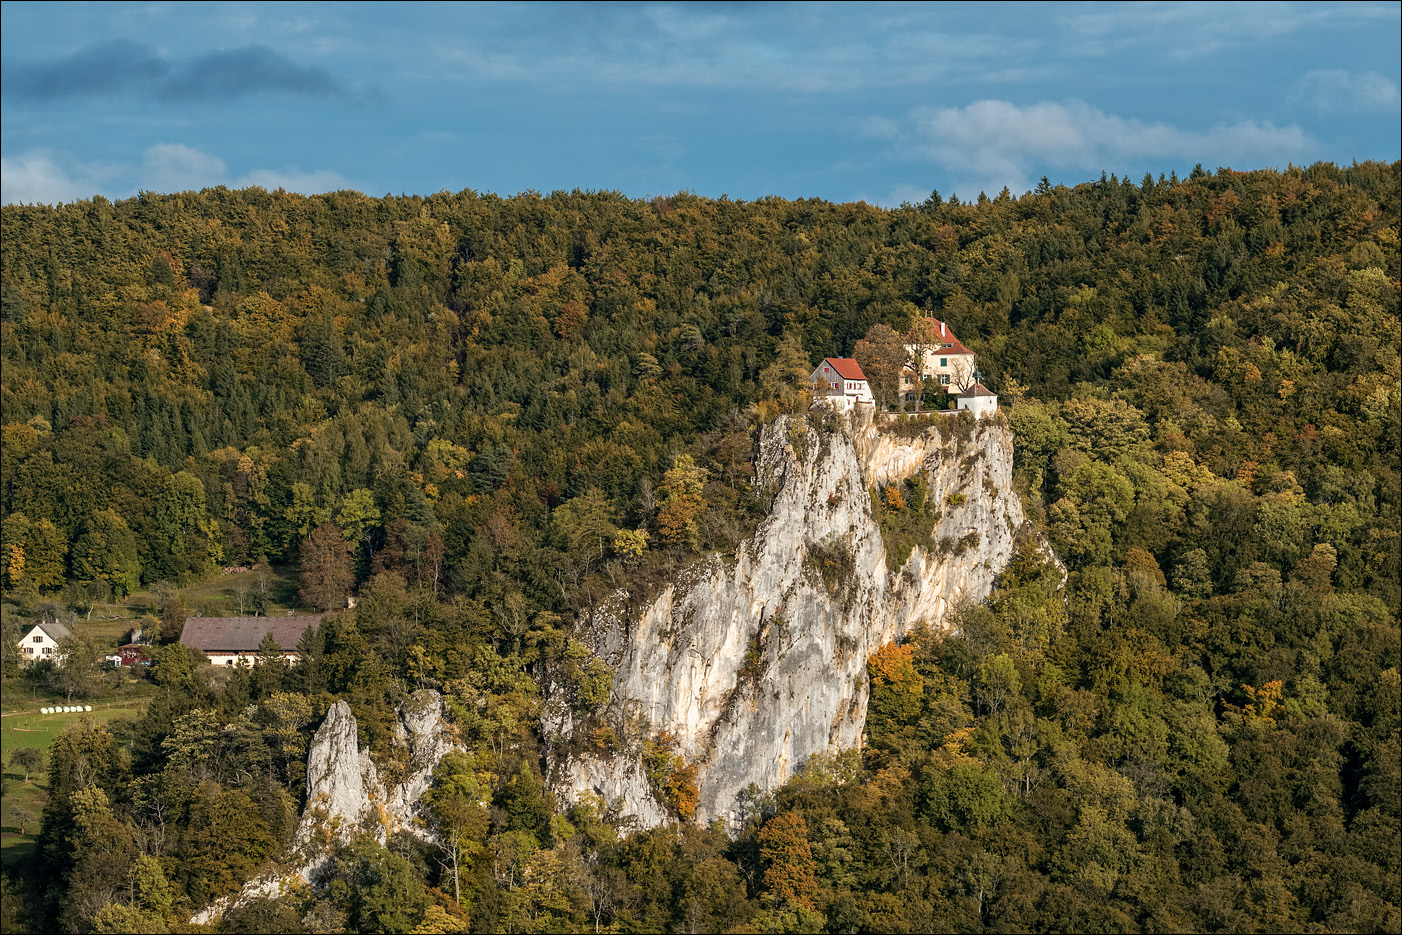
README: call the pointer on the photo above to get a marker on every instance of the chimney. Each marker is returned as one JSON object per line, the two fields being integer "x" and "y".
{"x": 944, "y": 329}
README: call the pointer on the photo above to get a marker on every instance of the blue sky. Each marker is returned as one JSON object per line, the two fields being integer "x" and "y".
{"x": 874, "y": 102}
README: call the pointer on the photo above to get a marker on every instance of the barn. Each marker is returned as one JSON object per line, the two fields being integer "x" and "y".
{"x": 231, "y": 640}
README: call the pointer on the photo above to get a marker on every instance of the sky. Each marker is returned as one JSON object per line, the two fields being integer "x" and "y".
{"x": 873, "y": 102}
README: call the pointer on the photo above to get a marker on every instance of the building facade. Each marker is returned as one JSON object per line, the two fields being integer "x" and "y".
{"x": 979, "y": 400}
{"x": 42, "y": 642}
{"x": 943, "y": 358}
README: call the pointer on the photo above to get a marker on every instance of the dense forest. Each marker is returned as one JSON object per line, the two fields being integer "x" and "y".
{"x": 484, "y": 414}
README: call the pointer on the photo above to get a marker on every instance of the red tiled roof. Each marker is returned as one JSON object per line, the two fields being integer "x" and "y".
{"x": 955, "y": 345}
{"x": 846, "y": 368}
{"x": 243, "y": 634}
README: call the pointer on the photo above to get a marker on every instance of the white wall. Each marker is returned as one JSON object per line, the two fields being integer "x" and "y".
{"x": 980, "y": 406}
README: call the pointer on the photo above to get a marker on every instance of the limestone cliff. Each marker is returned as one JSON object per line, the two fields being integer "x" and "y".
{"x": 347, "y": 793}
{"x": 756, "y": 663}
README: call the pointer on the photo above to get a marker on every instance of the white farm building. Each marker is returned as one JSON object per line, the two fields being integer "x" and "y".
{"x": 42, "y": 642}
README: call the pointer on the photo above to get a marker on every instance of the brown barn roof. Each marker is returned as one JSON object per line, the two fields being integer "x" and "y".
{"x": 243, "y": 634}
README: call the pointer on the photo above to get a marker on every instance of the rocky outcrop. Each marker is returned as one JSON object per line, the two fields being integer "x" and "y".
{"x": 345, "y": 789}
{"x": 348, "y": 794}
{"x": 757, "y": 663}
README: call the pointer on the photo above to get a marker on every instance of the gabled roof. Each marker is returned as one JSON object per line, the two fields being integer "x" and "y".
{"x": 54, "y": 631}
{"x": 978, "y": 389}
{"x": 243, "y": 634}
{"x": 846, "y": 368}
{"x": 955, "y": 345}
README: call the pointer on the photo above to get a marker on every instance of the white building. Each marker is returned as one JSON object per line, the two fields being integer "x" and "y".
{"x": 843, "y": 377}
{"x": 979, "y": 400}
{"x": 944, "y": 358}
{"x": 42, "y": 642}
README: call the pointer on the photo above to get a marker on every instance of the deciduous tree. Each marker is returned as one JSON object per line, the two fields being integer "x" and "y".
{"x": 882, "y": 357}
{"x": 326, "y": 568}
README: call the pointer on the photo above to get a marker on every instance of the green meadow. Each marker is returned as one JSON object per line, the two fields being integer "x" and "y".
{"x": 23, "y": 725}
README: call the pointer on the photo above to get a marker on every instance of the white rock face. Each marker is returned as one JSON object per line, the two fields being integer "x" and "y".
{"x": 682, "y": 664}
{"x": 338, "y": 775}
{"x": 346, "y": 793}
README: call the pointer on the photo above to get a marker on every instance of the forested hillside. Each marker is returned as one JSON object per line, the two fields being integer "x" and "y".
{"x": 483, "y": 415}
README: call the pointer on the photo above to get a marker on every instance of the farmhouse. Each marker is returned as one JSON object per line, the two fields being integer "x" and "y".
{"x": 42, "y": 642}
{"x": 944, "y": 357}
{"x": 843, "y": 378}
{"x": 230, "y": 640}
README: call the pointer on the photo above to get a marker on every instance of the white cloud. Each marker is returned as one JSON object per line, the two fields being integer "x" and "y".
{"x": 989, "y": 144}
{"x": 174, "y": 167}
{"x": 1335, "y": 90}
{"x": 45, "y": 177}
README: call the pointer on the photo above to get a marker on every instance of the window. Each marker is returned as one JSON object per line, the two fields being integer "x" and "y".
{"x": 39, "y": 639}
{"x": 29, "y": 650}
{"x": 944, "y": 361}
{"x": 47, "y": 650}
{"x": 944, "y": 379}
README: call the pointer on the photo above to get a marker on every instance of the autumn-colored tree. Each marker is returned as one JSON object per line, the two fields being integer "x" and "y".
{"x": 682, "y": 503}
{"x": 882, "y": 357}
{"x": 787, "y": 861}
{"x": 897, "y": 689}
{"x": 45, "y": 549}
{"x": 326, "y": 568}
{"x": 673, "y": 779}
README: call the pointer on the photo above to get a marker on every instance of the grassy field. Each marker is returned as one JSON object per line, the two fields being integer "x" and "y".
{"x": 22, "y": 725}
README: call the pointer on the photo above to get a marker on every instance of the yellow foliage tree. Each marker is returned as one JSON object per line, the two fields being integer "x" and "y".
{"x": 682, "y": 503}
